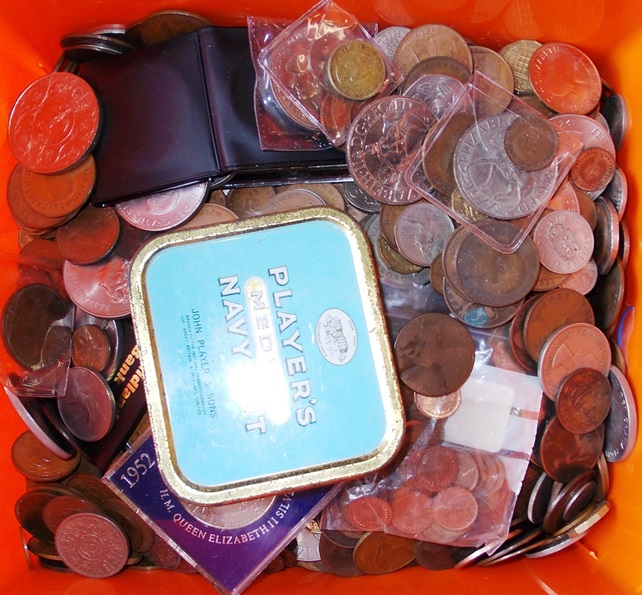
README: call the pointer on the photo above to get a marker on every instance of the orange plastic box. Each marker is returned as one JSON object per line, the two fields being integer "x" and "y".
{"x": 610, "y": 32}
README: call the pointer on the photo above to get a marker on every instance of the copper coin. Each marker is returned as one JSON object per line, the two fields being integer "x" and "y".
{"x": 28, "y": 510}
{"x": 435, "y": 354}
{"x": 337, "y": 114}
{"x": 564, "y": 199}
{"x": 496, "y": 95}
{"x": 570, "y": 348}
{"x": 101, "y": 289}
{"x": 438, "y": 153}
{"x": 90, "y": 348}
{"x": 164, "y": 25}
{"x": 37, "y": 462}
{"x": 437, "y": 274}
{"x": 447, "y": 71}
{"x": 436, "y": 468}
{"x": 250, "y": 202}
{"x": 449, "y": 260}
{"x": 368, "y": 513}
{"x": 388, "y": 218}
{"x": 337, "y": 560}
{"x": 531, "y": 143}
{"x": 431, "y": 40}
{"x": 381, "y": 553}
{"x": 44, "y": 250}
{"x": 438, "y": 407}
{"x": 330, "y": 195}
{"x": 396, "y": 260}
{"x": 54, "y": 123}
{"x": 90, "y": 486}
{"x": 58, "y": 195}
{"x": 164, "y": 210}
{"x": 90, "y": 236}
{"x": 421, "y": 232}
{"x": 293, "y": 199}
{"x": 565, "y": 454}
{"x": 60, "y": 507}
{"x": 28, "y": 315}
{"x": 548, "y": 280}
{"x": 92, "y": 545}
{"x": 564, "y": 241}
{"x": 622, "y": 422}
{"x": 494, "y": 278}
{"x": 468, "y": 471}
{"x": 583, "y": 401}
{"x": 565, "y": 78}
{"x": 56, "y": 346}
{"x": 411, "y": 512}
{"x": 582, "y": 281}
{"x": 381, "y": 144}
{"x": 585, "y": 129}
{"x": 455, "y": 508}
{"x": 437, "y": 556}
{"x": 593, "y": 169}
{"x": 554, "y": 309}
{"x": 343, "y": 539}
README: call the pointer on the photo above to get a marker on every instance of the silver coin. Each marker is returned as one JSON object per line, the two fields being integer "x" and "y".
{"x": 437, "y": 91}
{"x": 359, "y": 199}
{"x": 617, "y": 192}
{"x": 607, "y": 236}
{"x": 389, "y": 39}
{"x": 616, "y": 115}
{"x": 490, "y": 181}
{"x": 622, "y": 422}
{"x": 231, "y": 516}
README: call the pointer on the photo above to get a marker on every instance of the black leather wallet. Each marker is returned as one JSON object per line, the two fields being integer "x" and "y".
{"x": 182, "y": 112}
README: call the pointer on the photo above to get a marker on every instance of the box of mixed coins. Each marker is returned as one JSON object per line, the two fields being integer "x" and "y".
{"x": 309, "y": 292}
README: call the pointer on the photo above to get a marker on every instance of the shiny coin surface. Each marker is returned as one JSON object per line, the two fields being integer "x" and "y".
{"x": 593, "y": 169}
{"x": 54, "y": 123}
{"x": 438, "y": 407}
{"x": 356, "y": 70}
{"x": 293, "y": 199}
{"x": 622, "y": 422}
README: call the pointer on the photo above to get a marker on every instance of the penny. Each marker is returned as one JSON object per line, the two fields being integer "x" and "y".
{"x": 435, "y": 354}
{"x": 449, "y": 260}
{"x": 431, "y": 40}
{"x": 388, "y": 39}
{"x": 607, "y": 297}
{"x": 564, "y": 240}
{"x": 564, "y": 199}
{"x": 381, "y": 553}
{"x": 293, "y": 199}
{"x": 296, "y": 114}
{"x": 436, "y": 468}
{"x": 381, "y": 144}
{"x": 607, "y": 236}
{"x": 494, "y": 90}
{"x": 27, "y": 317}
{"x": 582, "y": 281}
{"x": 578, "y": 345}
{"x": 101, "y": 289}
{"x": 337, "y": 560}
{"x": 164, "y": 210}
{"x": 548, "y": 280}
{"x": 28, "y": 510}
{"x": 249, "y": 202}
{"x": 589, "y": 132}
{"x": 438, "y": 153}
{"x": 356, "y": 70}
{"x": 388, "y": 218}
{"x": 37, "y": 462}
{"x": 421, "y": 232}
{"x": 437, "y": 274}
{"x": 593, "y": 169}
{"x": 554, "y": 309}
{"x": 92, "y": 545}
{"x": 396, "y": 260}
{"x": 455, "y": 509}
{"x": 90, "y": 236}
{"x": 443, "y": 67}
{"x": 438, "y": 407}
{"x": 437, "y": 91}
{"x": 491, "y": 277}
{"x": 54, "y": 123}
{"x": 565, "y": 78}
{"x": 587, "y": 208}
{"x": 411, "y": 512}
{"x": 164, "y": 25}
{"x": 368, "y": 513}
{"x": 622, "y": 421}
{"x": 209, "y": 214}
{"x": 90, "y": 348}
{"x": 468, "y": 474}
{"x": 44, "y": 250}
{"x": 56, "y": 346}
{"x": 58, "y": 195}
{"x": 565, "y": 454}
{"x": 163, "y": 555}
{"x": 88, "y": 407}
{"x": 616, "y": 114}
{"x": 518, "y": 55}
{"x": 583, "y": 401}
{"x": 490, "y": 181}
{"x": 330, "y": 195}
{"x": 60, "y": 507}
{"x": 336, "y": 116}
{"x": 531, "y": 143}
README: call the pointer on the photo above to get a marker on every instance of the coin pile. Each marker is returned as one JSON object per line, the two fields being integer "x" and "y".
{"x": 433, "y": 257}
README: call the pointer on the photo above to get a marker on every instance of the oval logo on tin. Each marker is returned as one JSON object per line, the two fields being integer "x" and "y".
{"x": 336, "y": 336}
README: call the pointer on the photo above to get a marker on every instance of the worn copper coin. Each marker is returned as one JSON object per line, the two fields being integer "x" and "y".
{"x": 28, "y": 509}
{"x": 90, "y": 348}
{"x": 435, "y": 354}
{"x": 548, "y": 280}
{"x": 437, "y": 556}
{"x": 90, "y": 236}
{"x": 531, "y": 143}
{"x": 564, "y": 199}
{"x": 92, "y": 545}
{"x": 582, "y": 281}
{"x": 293, "y": 199}
{"x": 585, "y": 129}
{"x": 446, "y": 74}
{"x": 336, "y": 116}
{"x": 607, "y": 297}
{"x": 336, "y": 559}
{"x": 381, "y": 144}
{"x": 296, "y": 114}
{"x": 210, "y": 214}
{"x": 44, "y": 250}
{"x": 37, "y": 462}
{"x": 554, "y": 309}
{"x": 565, "y": 454}
{"x": 330, "y": 195}
{"x": 164, "y": 25}
{"x": 356, "y": 70}
{"x": 622, "y": 422}
{"x": 411, "y": 512}
{"x": 54, "y": 123}
{"x": 60, "y": 507}
{"x": 139, "y": 535}
{"x": 249, "y": 202}
{"x": 583, "y": 401}
{"x": 395, "y": 259}
{"x": 388, "y": 218}
{"x": 380, "y": 553}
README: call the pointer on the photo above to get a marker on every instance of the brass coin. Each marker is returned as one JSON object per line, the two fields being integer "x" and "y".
{"x": 356, "y": 70}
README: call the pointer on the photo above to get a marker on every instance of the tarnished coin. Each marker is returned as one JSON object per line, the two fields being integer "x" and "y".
{"x": 92, "y": 487}
{"x": 54, "y": 123}
{"x": 531, "y": 143}
{"x": 336, "y": 559}
{"x": 435, "y": 354}
{"x": 518, "y": 55}
{"x": 92, "y": 545}
{"x": 164, "y": 25}
{"x": 88, "y": 407}
{"x": 570, "y": 348}
{"x": 90, "y": 236}
{"x": 336, "y": 116}
{"x": 250, "y": 202}
{"x": 388, "y": 39}
{"x": 582, "y": 281}
{"x": 60, "y": 507}
{"x": 356, "y": 70}
{"x": 37, "y": 462}
{"x": 516, "y": 336}
{"x": 164, "y": 210}
{"x": 564, "y": 199}
{"x": 593, "y": 169}
{"x": 293, "y": 199}
{"x": 622, "y": 422}
{"x": 28, "y": 315}
{"x": 565, "y": 78}
{"x": 607, "y": 297}
{"x": 548, "y": 280}
{"x": 45, "y": 250}
{"x": 210, "y": 214}
{"x": 28, "y": 509}
{"x": 388, "y": 220}
{"x": 441, "y": 66}
{"x": 294, "y": 111}
{"x": 616, "y": 114}
{"x": 380, "y": 553}
{"x": 421, "y": 232}
{"x": 395, "y": 259}
{"x": 139, "y": 535}
{"x": 90, "y": 348}
{"x": 494, "y": 90}
{"x": 564, "y": 241}
{"x": 431, "y": 40}
{"x": 330, "y": 195}
{"x": 554, "y": 309}
{"x": 617, "y": 192}
{"x": 583, "y": 401}
{"x": 381, "y": 144}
